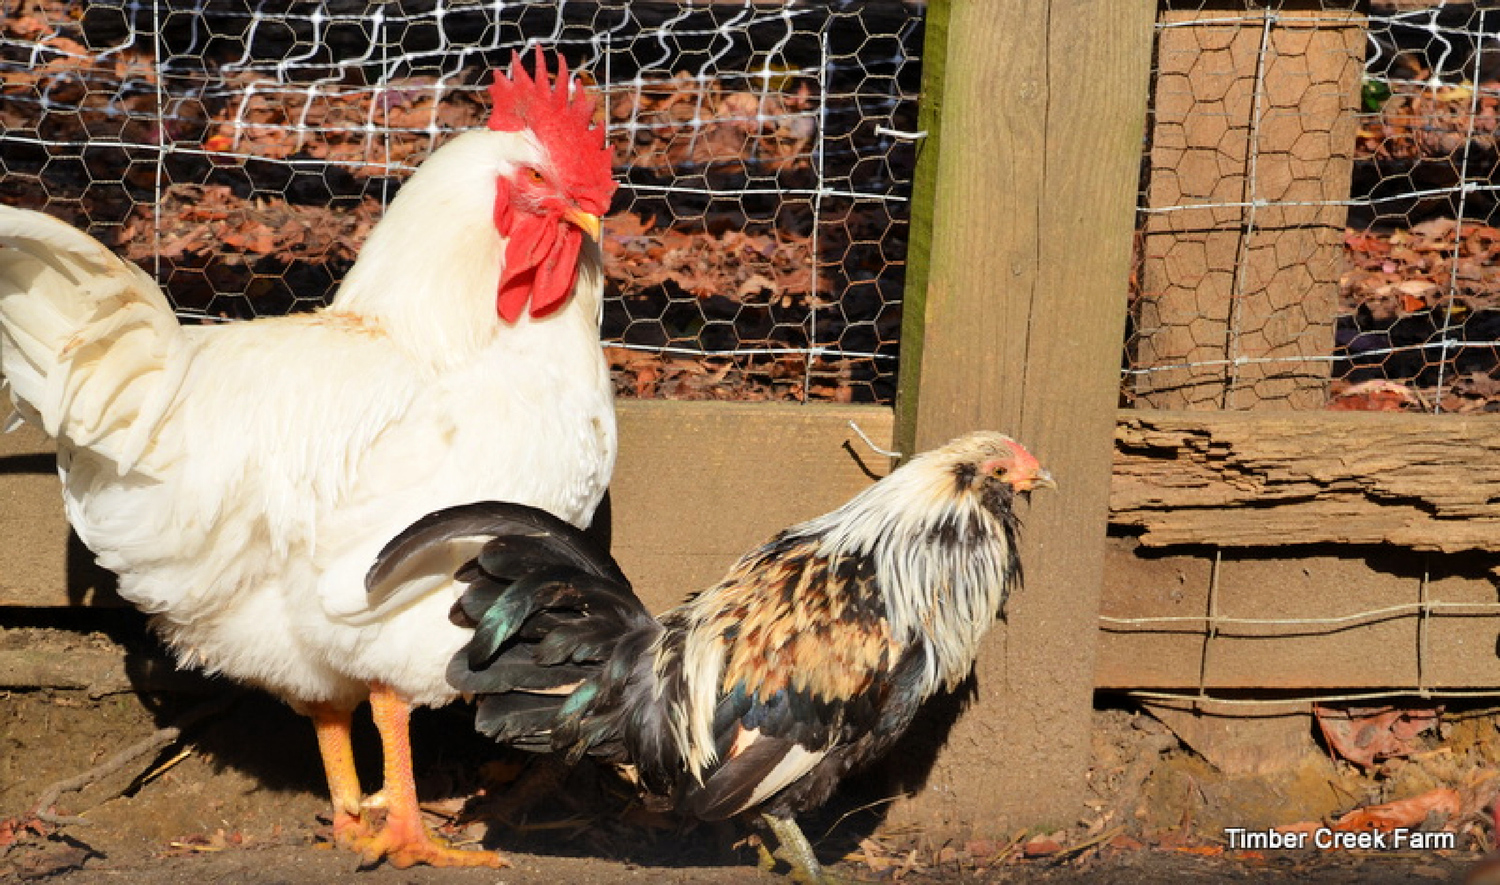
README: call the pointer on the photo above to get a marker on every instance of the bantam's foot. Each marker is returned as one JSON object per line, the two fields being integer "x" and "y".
{"x": 795, "y": 850}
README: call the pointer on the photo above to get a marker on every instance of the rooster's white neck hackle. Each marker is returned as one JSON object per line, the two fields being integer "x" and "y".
{"x": 429, "y": 273}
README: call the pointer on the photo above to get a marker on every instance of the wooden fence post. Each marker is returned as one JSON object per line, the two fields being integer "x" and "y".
{"x": 1017, "y": 286}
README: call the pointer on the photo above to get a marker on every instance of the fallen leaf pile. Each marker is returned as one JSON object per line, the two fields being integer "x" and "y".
{"x": 1368, "y": 735}
{"x": 1420, "y": 121}
{"x": 89, "y": 95}
{"x": 683, "y": 123}
{"x": 211, "y": 222}
{"x": 1421, "y": 268}
{"x": 647, "y": 374}
{"x": 268, "y": 256}
{"x": 664, "y": 127}
{"x": 1420, "y": 306}
{"x": 385, "y": 131}
{"x": 737, "y": 266}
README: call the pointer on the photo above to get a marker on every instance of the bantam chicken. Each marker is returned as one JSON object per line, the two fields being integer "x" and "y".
{"x": 240, "y": 478}
{"x": 810, "y": 658}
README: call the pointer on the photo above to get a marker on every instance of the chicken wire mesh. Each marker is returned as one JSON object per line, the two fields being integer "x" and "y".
{"x": 241, "y": 151}
{"x": 1317, "y": 209}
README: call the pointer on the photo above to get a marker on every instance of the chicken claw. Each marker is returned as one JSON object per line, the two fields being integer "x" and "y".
{"x": 404, "y": 842}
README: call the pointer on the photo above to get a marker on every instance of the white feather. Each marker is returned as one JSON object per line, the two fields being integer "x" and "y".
{"x": 797, "y": 762}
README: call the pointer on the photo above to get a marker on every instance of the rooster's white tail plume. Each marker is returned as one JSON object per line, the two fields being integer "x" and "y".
{"x": 87, "y": 340}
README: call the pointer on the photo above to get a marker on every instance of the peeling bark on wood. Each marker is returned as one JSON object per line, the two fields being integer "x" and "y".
{"x": 1236, "y": 479}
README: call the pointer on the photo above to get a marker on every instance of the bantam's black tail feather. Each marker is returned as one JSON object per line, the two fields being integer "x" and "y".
{"x": 515, "y": 669}
{"x": 581, "y": 640}
{"x": 534, "y": 538}
{"x": 517, "y": 718}
{"x": 561, "y": 645}
{"x": 623, "y": 712}
{"x": 549, "y": 588}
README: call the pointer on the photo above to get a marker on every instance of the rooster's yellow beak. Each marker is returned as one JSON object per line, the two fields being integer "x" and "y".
{"x": 584, "y": 221}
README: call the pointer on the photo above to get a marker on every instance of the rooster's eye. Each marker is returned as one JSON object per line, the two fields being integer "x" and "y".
{"x": 534, "y": 176}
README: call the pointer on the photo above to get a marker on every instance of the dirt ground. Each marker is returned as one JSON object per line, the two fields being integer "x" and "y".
{"x": 239, "y": 798}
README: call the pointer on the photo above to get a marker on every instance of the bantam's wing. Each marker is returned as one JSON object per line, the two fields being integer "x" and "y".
{"x": 803, "y": 664}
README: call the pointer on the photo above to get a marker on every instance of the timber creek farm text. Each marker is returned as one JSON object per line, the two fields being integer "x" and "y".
{"x": 1326, "y": 837}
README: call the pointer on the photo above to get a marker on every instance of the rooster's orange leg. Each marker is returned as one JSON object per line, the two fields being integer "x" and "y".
{"x": 404, "y": 840}
{"x": 334, "y": 743}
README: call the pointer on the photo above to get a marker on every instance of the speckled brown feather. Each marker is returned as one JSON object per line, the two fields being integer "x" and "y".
{"x": 786, "y": 624}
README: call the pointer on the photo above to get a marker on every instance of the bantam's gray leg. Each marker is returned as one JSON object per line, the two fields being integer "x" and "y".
{"x": 793, "y": 848}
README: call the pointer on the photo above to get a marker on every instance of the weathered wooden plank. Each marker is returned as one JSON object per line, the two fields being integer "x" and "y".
{"x": 1024, "y": 253}
{"x": 99, "y": 670}
{"x": 41, "y": 563}
{"x": 698, "y": 484}
{"x": 1324, "y": 619}
{"x": 1242, "y": 479}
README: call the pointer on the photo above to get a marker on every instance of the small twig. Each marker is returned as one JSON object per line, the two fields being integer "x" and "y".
{"x": 163, "y": 768}
{"x": 1081, "y": 847}
{"x": 853, "y": 811}
{"x": 150, "y": 744}
{"x": 1010, "y": 849}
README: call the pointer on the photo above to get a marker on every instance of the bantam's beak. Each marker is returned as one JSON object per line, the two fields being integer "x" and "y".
{"x": 1041, "y": 479}
{"x": 584, "y": 221}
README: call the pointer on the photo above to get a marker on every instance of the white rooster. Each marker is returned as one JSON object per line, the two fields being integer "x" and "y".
{"x": 241, "y": 478}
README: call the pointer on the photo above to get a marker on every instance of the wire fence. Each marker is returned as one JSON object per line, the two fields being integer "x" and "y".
{"x": 1317, "y": 229}
{"x": 1318, "y": 209}
{"x": 242, "y": 151}
{"x": 1317, "y": 191}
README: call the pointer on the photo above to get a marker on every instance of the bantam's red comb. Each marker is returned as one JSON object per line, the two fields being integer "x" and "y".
{"x": 561, "y": 115}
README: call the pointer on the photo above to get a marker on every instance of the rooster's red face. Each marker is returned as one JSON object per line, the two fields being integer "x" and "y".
{"x": 544, "y": 209}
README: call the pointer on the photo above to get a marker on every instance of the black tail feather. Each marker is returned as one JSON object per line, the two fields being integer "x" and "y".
{"x": 551, "y": 587}
{"x": 561, "y": 653}
{"x": 549, "y": 539}
{"x": 514, "y": 669}
{"x": 516, "y": 718}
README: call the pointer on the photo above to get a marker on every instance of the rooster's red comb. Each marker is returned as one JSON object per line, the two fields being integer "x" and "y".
{"x": 561, "y": 115}
{"x": 521, "y": 102}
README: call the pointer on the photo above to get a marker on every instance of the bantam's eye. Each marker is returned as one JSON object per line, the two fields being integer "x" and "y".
{"x": 535, "y": 177}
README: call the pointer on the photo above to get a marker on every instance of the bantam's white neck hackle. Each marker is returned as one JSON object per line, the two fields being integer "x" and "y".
{"x": 947, "y": 592}
{"x": 429, "y": 273}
